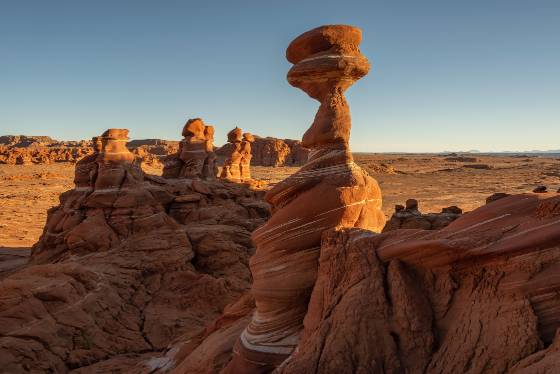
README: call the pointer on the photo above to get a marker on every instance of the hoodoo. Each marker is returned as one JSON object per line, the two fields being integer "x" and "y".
{"x": 195, "y": 157}
{"x": 329, "y": 191}
{"x": 246, "y": 156}
{"x": 232, "y": 165}
{"x": 210, "y": 169}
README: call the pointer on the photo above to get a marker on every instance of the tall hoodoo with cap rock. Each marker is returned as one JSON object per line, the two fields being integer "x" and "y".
{"x": 329, "y": 191}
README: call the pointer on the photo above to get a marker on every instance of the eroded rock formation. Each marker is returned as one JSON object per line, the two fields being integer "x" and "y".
{"x": 26, "y": 150}
{"x": 271, "y": 151}
{"x": 127, "y": 262}
{"x": 477, "y": 296}
{"x": 195, "y": 157}
{"x": 409, "y": 217}
{"x": 329, "y": 191}
{"x": 210, "y": 168}
{"x": 232, "y": 164}
{"x": 246, "y": 156}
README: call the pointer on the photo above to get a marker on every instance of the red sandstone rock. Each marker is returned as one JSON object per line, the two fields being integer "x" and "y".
{"x": 127, "y": 263}
{"x": 271, "y": 151}
{"x": 328, "y": 191}
{"x": 27, "y": 150}
{"x": 478, "y": 296}
{"x": 232, "y": 165}
{"x": 539, "y": 189}
{"x": 474, "y": 297}
{"x": 245, "y": 165}
{"x": 195, "y": 157}
{"x": 210, "y": 168}
{"x": 411, "y": 218}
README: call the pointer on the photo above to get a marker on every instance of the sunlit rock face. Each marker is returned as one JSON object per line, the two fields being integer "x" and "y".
{"x": 329, "y": 191}
{"x": 232, "y": 164}
{"x": 195, "y": 157}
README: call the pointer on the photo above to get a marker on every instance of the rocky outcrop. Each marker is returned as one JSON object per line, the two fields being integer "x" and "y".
{"x": 330, "y": 190}
{"x": 26, "y": 150}
{"x": 195, "y": 157}
{"x": 246, "y": 156}
{"x": 478, "y": 296}
{"x": 409, "y": 217}
{"x": 475, "y": 297}
{"x": 278, "y": 152}
{"x": 127, "y": 263}
{"x": 22, "y": 141}
{"x": 271, "y": 151}
{"x": 41, "y": 154}
{"x": 210, "y": 167}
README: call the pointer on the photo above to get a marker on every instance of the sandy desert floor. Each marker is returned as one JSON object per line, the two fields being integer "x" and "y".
{"x": 27, "y": 192}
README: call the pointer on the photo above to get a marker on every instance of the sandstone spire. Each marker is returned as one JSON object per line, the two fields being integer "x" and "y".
{"x": 246, "y": 156}
{"x": 195, "y": 158}
{"x": 210, "y": 168}
{"x": 116, "y": 164}
{"x": 329, "y": 191}
{"x": 232, "y": 165}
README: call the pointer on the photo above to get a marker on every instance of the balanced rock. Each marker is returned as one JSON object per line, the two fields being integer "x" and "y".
{"x": 330, "y": 190}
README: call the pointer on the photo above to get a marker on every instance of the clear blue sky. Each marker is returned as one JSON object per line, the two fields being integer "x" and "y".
{"x": 447, "y": 75}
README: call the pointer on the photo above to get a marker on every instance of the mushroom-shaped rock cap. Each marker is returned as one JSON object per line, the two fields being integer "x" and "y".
{"x": 115, "y": 134}
{"x": 235, "y": 135}
{"x": 194, "y": 127}
{"x": 341, "y": 38}
{"x": 248, "y": 137}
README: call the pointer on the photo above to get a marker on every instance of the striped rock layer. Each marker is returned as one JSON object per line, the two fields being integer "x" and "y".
{"x": 329, "y": 191}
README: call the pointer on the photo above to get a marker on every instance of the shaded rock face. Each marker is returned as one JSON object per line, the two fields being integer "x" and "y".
{"x": 478, "y": 296}
{"x": 330, "y": 190}
{"x": 409, "y": 217}
{"x": 127, "y": 263}
{"x": 195, "y": 157}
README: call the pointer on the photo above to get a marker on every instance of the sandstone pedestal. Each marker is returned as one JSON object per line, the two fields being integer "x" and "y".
{"x": 329, "y": 191}
{"x": 246, "y": 156}
{"x": 195, "y": 158}
{"x": 232, "y": 165}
